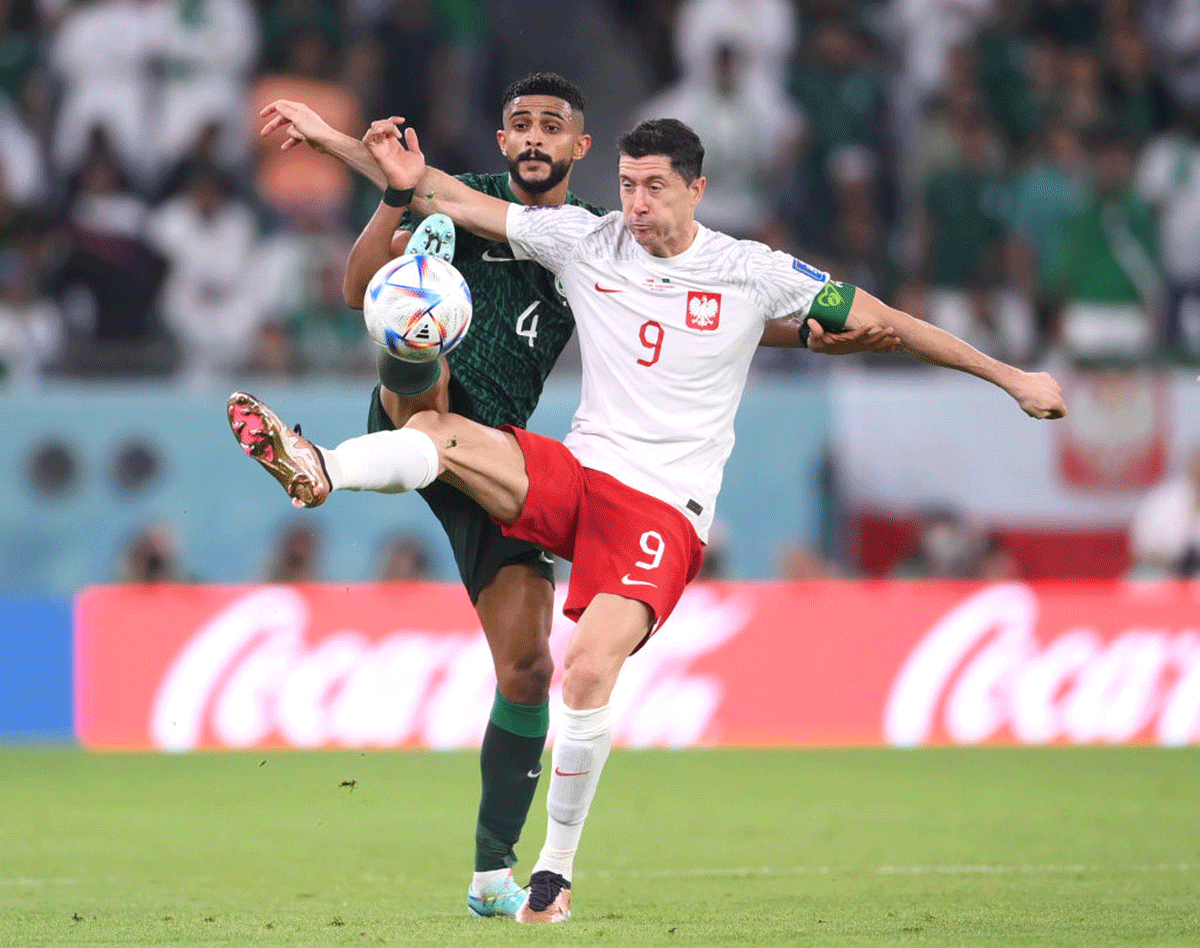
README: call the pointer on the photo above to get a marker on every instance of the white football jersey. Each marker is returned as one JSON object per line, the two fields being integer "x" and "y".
{"x": 666, "y": 344}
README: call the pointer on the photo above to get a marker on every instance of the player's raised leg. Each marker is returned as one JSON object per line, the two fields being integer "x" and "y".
{"x": 288, "y": 457}
{"x": 608, "y": 631}
{"x": 387, "y": 461}
{"x": 485, "y": 463}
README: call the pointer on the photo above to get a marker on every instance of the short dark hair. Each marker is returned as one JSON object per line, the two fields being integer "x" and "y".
{"x": 669, "y": 137}
{"x": 545, "y": 83}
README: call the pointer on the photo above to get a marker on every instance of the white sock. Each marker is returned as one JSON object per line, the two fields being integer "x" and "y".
{"x": 481, "y": 880}
{"x": 580, "y": 750}
{"x": 389, "y": 462}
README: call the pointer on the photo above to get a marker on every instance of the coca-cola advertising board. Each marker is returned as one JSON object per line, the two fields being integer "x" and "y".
{"x": 190, "y": 667}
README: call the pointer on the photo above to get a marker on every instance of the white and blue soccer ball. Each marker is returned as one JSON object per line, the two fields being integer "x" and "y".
{"x": 417, "y": 307}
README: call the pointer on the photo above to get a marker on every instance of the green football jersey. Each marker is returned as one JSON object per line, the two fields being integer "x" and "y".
{"x": 521, "y": 320}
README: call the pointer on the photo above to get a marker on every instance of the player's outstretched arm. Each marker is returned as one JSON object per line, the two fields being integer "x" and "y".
{"x": 304, "y": 126}
{"x": 785, "y": 334}
{"x": 1037, "y": 393}
{"x": 378, "y": 243}
{"x": 398, "y": 155}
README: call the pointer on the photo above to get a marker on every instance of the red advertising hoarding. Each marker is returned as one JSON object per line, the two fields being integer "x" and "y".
{"x": 190, "y": 667}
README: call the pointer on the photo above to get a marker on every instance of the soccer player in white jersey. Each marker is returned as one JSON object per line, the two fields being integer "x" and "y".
{"x": 669, "y": 314}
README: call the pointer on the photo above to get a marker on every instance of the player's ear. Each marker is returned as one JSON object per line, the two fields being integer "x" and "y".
{"x": 500, "y": 141}
{"x": 583, "y": 145}
{"x": 697, "y": 189}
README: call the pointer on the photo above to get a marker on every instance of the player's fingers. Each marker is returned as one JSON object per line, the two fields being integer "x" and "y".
{"x": 281, "y": 106}
{"x": 410, "y": 140}
{"x": 277, "y": 121}
{"x": 382, "y": 129}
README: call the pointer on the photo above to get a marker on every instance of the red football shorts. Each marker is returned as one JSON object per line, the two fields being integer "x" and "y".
{"x": 618, "y": 539}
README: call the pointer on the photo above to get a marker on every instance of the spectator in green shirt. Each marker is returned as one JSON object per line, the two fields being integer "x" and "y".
{"x": 1047, "y": 187}
{"x": 1106, "y": 271}
{"x": 963, "y": 244}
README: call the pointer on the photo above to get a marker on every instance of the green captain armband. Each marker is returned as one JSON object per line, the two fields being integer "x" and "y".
{"x": 832, "y": 304}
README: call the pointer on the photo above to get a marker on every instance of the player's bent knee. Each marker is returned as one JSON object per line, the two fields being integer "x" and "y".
{"x": 432, "y": 423}
{"x": 525, "y": 679}
{"x": 485, "y": 463}
{"x": 449, "y": 431}
{"x": 586, "y": 684}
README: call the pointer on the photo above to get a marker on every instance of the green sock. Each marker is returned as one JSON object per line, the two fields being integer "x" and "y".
{"x": 408, "y": 379}
{"x": 510, "y": 763}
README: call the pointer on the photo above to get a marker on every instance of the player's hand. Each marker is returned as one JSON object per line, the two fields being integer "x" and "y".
{"x": 397, "y": 152}
{"x": 1039, "y": 395}
{"x": 869, "y": 338}
{"x": 302, "y": 124}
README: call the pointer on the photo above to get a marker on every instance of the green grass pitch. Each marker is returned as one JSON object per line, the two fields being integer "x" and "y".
{"x": 1089, "y": 847}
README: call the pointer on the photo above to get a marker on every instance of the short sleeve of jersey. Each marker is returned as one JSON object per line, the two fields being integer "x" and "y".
{"x": 783, "y": 285}
{"x": 547, "y": 235}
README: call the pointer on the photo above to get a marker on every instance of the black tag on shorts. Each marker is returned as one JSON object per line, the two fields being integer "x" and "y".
{"x": 694, "y": 507}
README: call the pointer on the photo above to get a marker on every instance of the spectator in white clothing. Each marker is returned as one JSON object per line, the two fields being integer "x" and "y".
{"x": 210, "y": 240}
{"x": 101, "y": 53}
{"x": 1164, "y": 538}
{"x": 206, "y": 48}
{"x": 751, "y": 140}
{"x": 1168, "y": 177}
{"x": 22, "y": 165}
{"x": 765, "y": 29}
{"x": 31, "y": 331}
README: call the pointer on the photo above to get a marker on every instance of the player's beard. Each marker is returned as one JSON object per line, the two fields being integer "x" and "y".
{"x": 558, "y": 172}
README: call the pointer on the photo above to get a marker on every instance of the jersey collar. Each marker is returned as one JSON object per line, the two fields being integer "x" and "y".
{"x": 702, "y": 236}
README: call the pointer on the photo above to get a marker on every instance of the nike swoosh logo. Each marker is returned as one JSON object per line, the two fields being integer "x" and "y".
{"x": 492, "y": 258}
{"x": 636, "y": 582}
{"x": 579, "y": 774}
{"x": 534, "y": 776}
{"x": 604, "y": 289}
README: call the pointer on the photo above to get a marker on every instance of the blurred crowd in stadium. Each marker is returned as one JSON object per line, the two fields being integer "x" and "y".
{"x": 1025, "y": 173}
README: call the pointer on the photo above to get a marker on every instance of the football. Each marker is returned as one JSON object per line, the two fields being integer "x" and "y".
{"x": 417, "y": 307}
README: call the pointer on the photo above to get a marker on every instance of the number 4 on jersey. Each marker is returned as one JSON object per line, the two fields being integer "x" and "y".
{"x": 527, "y": 323}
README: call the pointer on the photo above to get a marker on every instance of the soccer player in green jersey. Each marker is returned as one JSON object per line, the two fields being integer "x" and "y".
{"x": 521, "y": 323}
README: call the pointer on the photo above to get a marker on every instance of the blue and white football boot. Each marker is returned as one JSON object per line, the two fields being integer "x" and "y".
{"x": 434, "y": 237}
{"x": 502, "y": 898}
